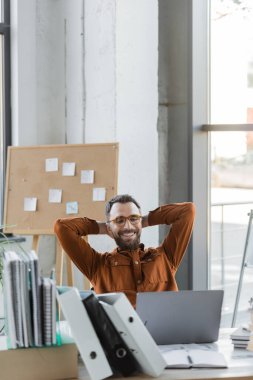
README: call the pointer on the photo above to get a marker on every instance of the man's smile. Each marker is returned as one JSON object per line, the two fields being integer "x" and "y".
{"x": 128, "y": 234}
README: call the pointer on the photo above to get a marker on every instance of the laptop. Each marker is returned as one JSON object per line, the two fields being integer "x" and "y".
{"x": 186, "y": 316}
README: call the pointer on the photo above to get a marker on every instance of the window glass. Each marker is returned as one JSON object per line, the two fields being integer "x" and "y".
{"x": 1, "y": 11}
{"x": 1, "y": 124}
{"x": 5, "y": 108}
{"x": 231, "y": 101}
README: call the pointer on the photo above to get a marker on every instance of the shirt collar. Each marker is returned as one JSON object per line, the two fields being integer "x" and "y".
{"x": 127, "y": 252}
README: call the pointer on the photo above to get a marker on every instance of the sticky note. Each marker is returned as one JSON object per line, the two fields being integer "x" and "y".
{"x": 87, "y": 176}
{"x": 54, "y": 195}
{"x": 30, "y": 204}
{"x": 98, "y": 194}
{"x": 68, "y": 168}
{"x": 72, "y": 208}
{"x": 51, "y": 164}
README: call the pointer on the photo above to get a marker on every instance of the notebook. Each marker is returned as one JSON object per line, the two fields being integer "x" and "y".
{"x": 185, "y": 316}
{"x": 194, "y": 359}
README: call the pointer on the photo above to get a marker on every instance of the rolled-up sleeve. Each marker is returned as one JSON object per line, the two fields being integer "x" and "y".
{"x": 71, "y": 233}
{"x": 181, "y": 218}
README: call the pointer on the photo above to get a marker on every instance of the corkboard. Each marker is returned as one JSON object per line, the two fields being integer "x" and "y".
{"x": 26, "y": 176}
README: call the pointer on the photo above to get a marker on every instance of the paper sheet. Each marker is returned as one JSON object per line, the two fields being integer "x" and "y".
{"x": 51, "y": 165}
{"x": 54, "y": 195}
{"x": 68, "y": 169}
{"x": 87, "y": 176}
{"x": 99, "y": 194}
{"x": 30, "y": 204}
{"x": 72, "y": 208}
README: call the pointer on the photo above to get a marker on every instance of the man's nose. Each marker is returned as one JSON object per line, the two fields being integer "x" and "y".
{"x": 128, "y": 223}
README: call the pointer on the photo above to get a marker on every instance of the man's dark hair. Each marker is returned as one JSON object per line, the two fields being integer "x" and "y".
{"x": 123, "y": 198}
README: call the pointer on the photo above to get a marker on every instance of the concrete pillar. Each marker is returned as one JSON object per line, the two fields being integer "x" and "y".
{"x": 183, "y": 109}
{"x": 174, "y": 128}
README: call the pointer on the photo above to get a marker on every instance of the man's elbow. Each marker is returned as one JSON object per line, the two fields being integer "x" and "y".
{"x": 191, "y": 210}
{"x": 57, "y": 227}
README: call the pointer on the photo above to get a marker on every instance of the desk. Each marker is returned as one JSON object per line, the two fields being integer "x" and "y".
{"x": 240, "y": 364}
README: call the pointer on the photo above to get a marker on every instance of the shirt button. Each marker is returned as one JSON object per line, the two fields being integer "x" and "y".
{"x": 116, "y": 263}
{"x": 136, "y": 262}
{"x": 139, "y": 281}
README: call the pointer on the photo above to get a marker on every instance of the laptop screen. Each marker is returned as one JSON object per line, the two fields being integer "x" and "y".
{"x": 185, "y": 316}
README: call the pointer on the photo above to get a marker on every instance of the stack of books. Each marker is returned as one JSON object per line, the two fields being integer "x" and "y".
{"x": 29, "y": 302}
{"x": 241, "y": 337}
{"x": 250, "y": 344}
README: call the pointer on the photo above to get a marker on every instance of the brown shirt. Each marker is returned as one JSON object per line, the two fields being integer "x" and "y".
{"x": 141, "y": 270}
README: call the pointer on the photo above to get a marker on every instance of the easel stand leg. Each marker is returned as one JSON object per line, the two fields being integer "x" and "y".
{"x": 58, "y": 264}
{"x": 69, "y": 266}
{"x": 35, "y": 243}
{"x": 60, "y": 254}
{"x": 244, "y": 264}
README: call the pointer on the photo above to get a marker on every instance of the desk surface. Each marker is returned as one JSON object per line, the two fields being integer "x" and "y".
{"x": 240, "y": 366}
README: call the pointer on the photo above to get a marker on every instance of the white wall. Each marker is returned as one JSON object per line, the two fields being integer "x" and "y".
{"x": 137, "y": 99}
{"x": 23, "y": 72}
{"x": 121, "y": 55}
{"x": 100, "y": 71}
{"x": 86, "y": 71}
{"x": 47, "y": 72}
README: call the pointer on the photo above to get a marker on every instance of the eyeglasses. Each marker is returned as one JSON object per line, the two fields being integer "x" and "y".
{"x": 121, "y": 220}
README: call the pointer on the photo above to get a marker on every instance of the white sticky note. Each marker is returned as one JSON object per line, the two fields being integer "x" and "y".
{"x": 72, "y": 208}
{"x": 98, "y": 194}
{"x": 30, "y": 204}
{"x": 54, "y": 195}
{"x": 51, "y": 164}
{"x": 68, "y": 168}
{"x": 87, "y": 176}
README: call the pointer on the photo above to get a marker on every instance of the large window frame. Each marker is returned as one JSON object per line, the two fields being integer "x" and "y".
{"x": 5, "y": 122}
{"x": 199, "y": 115}
{"x": 200, "y": 121}
{"x": 208, "y": 129}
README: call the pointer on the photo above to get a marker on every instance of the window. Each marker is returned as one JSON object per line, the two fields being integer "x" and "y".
{"x": 5, "y": 109}
{"x": 231, "y": 84}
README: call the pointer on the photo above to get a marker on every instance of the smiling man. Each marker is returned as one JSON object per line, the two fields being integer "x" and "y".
{"x": 131, "y": 267}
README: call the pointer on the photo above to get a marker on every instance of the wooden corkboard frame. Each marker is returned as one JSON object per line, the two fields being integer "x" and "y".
{"x": 26, "y": 177}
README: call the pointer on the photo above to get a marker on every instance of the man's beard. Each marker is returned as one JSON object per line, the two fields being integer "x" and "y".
{"x": 131, "y": 245}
